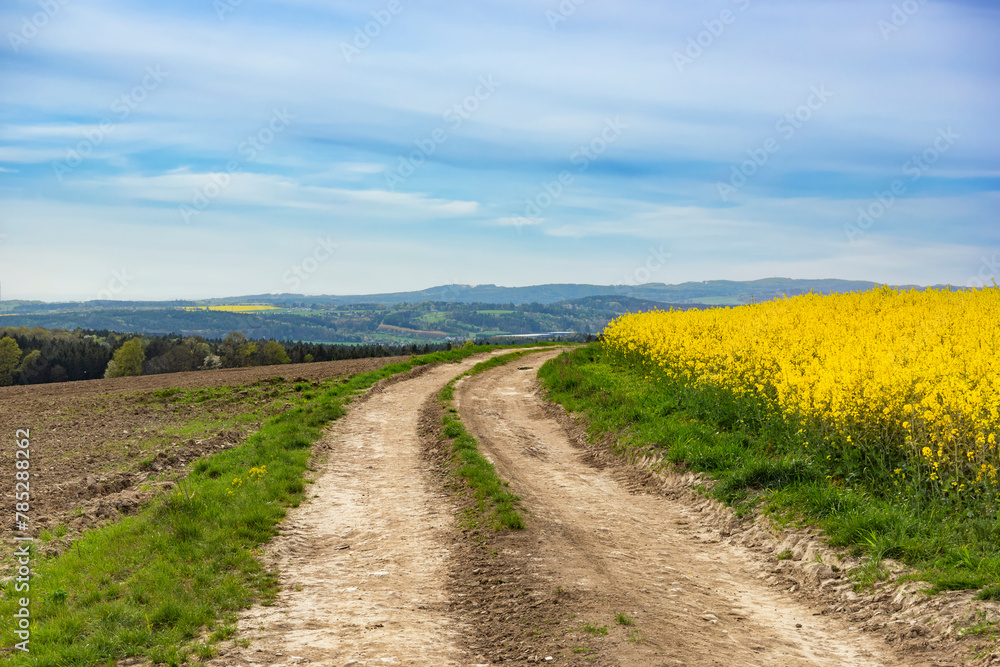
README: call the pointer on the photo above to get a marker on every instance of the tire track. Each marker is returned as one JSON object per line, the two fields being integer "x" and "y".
{"x": 364, "y": 563}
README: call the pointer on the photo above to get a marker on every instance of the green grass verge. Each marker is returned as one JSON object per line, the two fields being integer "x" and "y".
{"x": 167, "y": 582}
{"x": 764, "y": 464}
{"x": 492, "y": 496}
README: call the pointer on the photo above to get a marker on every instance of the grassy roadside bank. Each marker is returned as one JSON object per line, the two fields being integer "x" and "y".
{"x": 166, "y": 583}
{"x": 761, "y": 465}
{"x": 493, "y": 500}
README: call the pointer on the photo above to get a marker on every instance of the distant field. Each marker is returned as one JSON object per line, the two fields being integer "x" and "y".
{"x": 413, "y": 333}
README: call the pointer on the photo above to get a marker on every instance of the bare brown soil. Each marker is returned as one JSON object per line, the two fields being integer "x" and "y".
{"x": 100, "y": 448}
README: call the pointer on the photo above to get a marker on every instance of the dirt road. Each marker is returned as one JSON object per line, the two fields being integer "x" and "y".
{"x": 369, "y": 565}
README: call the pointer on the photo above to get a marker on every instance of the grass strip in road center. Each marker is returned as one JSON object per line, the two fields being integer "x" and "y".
{"x": 167, "y": 582}
{"x": 491, "y": 492}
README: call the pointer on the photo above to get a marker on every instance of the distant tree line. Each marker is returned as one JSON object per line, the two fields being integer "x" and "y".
{"x": 37, "y": 355}
{"x": 207, "y": 323}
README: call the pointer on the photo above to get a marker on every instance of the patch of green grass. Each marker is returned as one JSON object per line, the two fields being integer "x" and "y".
{"x": 154, "y": 582}
{"x": 167, "y": 393}
{"x": 982, "y": 626}
{"x": 593, "y": 629}
{"x": 785, "y": 555}
{"x": 481, "y": 476}
{"x": 622, "y": 618}
{"x": 759, "y": 461}
{"x": 869, "y": 574}
{"x": 989, "y": 593}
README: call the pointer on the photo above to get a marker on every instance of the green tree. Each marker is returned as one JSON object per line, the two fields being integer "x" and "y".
{"x": 273, "y": 353}
{"x": 10, "y": 358}
{"x": 199, "y": 348}
{"x": 234, "y": 350}
{"x": 251, "y": 355}
{"x": 32, "y": 368}
{"x": 127, "y": 360}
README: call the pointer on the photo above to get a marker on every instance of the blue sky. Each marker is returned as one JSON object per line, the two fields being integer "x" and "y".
{"x": 197, "y": 148}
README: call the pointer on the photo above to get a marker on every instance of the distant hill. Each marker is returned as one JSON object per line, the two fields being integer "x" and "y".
{"x": 712, "y": 292}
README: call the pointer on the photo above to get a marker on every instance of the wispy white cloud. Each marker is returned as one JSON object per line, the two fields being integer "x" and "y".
{"x": 180, "y": 186}
{"x": 21, "y": 155}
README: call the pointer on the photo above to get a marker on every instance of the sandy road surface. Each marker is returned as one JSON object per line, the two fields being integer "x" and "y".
{"x": 694, "y": 602}
{"x": 364, "y": 562}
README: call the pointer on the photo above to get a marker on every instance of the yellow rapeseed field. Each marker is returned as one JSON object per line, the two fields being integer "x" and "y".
{"x": 888, "y": 368}
{"x": 233, "y": 309}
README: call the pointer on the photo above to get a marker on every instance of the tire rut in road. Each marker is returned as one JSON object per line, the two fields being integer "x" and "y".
{"x": 363, "y": 563}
